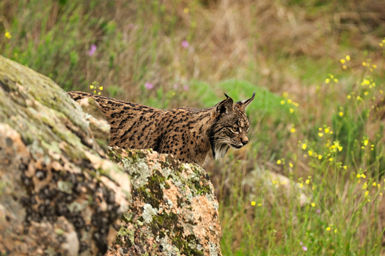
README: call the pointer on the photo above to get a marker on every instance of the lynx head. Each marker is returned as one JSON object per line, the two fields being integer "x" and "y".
{"x": 230, "y": 125}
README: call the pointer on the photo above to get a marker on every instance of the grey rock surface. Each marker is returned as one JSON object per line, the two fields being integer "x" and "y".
{"x": 59, "y": 192}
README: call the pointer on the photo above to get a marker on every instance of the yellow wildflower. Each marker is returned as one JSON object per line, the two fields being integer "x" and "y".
{"x": 342, "y": 61}
{"x": 101, "y": 88}
{"x": 279, "y": 161}
{"x": 253, "y": 203}
{"x": 345, "y": 167}
{"x": 358, "y": 175}
{"x": 282, "y": 102}
{"x": 335, "y": 80}
{"x": 320, "y": 134}
{"x": 341, "y": 113}
{"x": 364, "y": 63}
{"x": 285, "y": 94}
{"x": 366, "y": 141}
{"x": 94, "y": 91}
{"x": 319, "y": 157}
{"x": 291, "y": 110}
{"x": 292, "y": 130}
{"x": 347, "y": 57}
{"x": 363, "y": 176}
{"x": 381, "y": 44}
{"x": 291, "y": 165}
{"x": 289, "y": 101}
{"x": 374, "y": 66}
{"x": 335, "y": 231}
{"x": 310, "y": 152}
{"x": 91, "y": 87}
{"x": 331, "y": 159}
{"x": 349, "y": 97}
{"x": 327, "y": 130}
{"x": 259, "y": 204}
{"x": 344, "y": 67}
{"x": 304, "y": 146}
{"x": 7, "y": 35}
{"x": 307, "y": 182}
{"x": 328, "y": 228}
{"x": 327, "y": 80}
{"x": 301, "y": 185}
{"x": 367, "y": 193}
{"x": 99, "y": 93}
{"x": 374, "y": 184}
{"x": 312, "y": 204}
{"x": 185, "y": 10}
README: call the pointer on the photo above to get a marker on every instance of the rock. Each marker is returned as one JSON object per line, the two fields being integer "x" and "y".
{"x": 173, "y": 210}
{"x": 59, "y": 194}
{"x": 275, "y": 184}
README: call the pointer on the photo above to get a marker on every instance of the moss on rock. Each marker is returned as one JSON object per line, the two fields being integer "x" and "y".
{"x": 60, "y": 194}
{"x": 173, "y": 209}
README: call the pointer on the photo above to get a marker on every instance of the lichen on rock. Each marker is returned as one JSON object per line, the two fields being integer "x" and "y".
{"x": 173, "y": 210}
{"x": 60, "y": 194}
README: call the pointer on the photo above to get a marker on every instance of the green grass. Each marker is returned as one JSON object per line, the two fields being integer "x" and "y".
{"x": 283, "y": 51}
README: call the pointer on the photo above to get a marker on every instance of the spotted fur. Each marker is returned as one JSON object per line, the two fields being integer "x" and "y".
{"x": 188, "y": 134}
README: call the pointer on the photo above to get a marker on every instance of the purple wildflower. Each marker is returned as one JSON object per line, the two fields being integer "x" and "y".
{"x": 185, "y": 87}
{"x": 148, "y": 86}
{"x": 318, "y": 211}
{"x": 304, "y": 248}
{"x": 300, "y": 242}
{"x": 176, "y": 86}
{"x": 92, "y": 50}
{"x": 185, "y": 44}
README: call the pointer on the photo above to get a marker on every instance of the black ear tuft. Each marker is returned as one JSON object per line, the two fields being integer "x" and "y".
{"x": 226, "y": 95}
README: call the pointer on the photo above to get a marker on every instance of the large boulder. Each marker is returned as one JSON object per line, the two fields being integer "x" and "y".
{"x": 59, "y": 192}
{"x": 173, "y": 209}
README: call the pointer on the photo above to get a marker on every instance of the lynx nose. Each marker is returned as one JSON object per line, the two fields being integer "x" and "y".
{"x": 245, "y": 141}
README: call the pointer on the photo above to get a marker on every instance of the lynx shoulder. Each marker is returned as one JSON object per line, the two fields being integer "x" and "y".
{"x": 188, "y": 134}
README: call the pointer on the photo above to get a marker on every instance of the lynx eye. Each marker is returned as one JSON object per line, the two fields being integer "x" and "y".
{"x": 234, "y": 129}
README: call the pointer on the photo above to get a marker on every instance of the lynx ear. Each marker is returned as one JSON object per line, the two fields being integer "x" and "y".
{"x": 223, "y": 108}
{"x": 243, "y": 104}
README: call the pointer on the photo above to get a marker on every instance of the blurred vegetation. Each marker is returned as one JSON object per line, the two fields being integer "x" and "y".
{"x": 317, "y": 68}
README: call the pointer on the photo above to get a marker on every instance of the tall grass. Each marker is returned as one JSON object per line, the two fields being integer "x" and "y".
{"x": 317, "y": 118}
